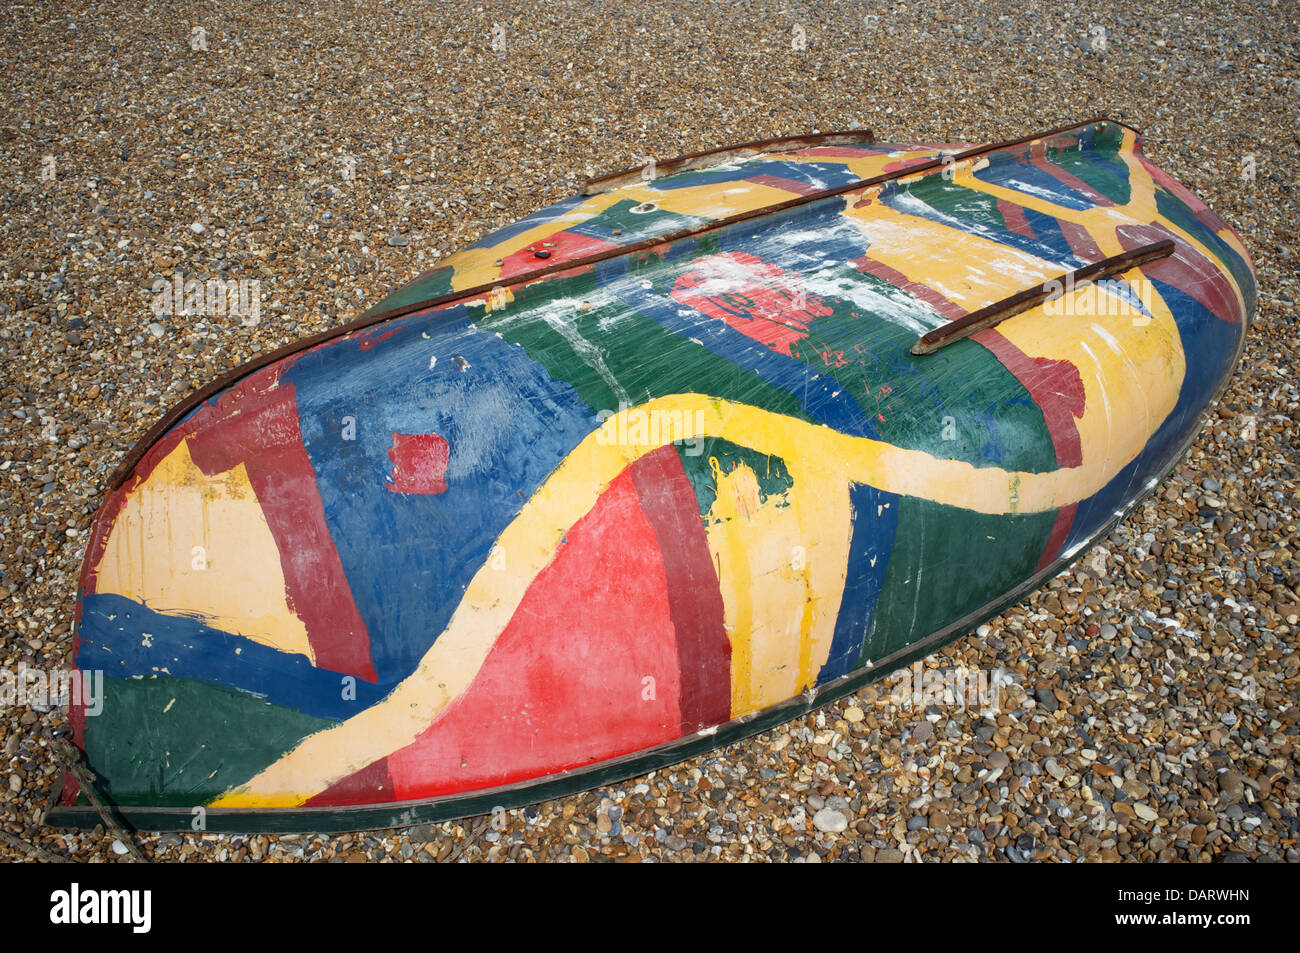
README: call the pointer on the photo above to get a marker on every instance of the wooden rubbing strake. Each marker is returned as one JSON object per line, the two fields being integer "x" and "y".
{"x": 1049, "y": 290}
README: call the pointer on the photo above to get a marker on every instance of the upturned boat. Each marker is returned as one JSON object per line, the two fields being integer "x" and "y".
{"x": 662, "y": 465}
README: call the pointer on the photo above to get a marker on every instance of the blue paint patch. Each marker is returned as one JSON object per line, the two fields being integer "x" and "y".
{"x": 126, "y": 639}
{"x": 409, "y": 557}
{"x": 1030, "y": 179}
{"x": 818, "y": 175}
{"x": 875, "y": 520}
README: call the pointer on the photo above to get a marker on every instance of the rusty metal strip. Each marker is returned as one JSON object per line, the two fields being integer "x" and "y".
{"x": 179, "y": 411}
{"x": 693, "y": 161}
{"x": 1049, "y": 290}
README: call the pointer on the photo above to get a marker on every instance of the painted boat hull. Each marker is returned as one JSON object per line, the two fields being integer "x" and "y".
{"x": 646, "y": 472}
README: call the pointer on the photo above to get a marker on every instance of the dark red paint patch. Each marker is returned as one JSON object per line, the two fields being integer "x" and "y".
{"x": 1056, "y": 539}
{"x": 1014, "y": 216}
{"x": 372, "y": 784}
{"x": 1186, "y": 269}
{"x": 419, "y": 463}
{"x": 949, "y": 309}
{"x": 1080, "y": 240}
{"x": 703, "y": 649}
{"x": 784, "y": 184}
{"x": 256, "y": 424}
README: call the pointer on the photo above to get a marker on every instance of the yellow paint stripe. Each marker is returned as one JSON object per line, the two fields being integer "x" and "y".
{"x": 163, "y": 553}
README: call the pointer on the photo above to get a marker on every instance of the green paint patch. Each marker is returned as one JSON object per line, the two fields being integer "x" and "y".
{"x": 611, "y": 354}
{"x": 432, "y": 285}
{"x": 967, "y": 204}
{"x": 176, "y": 742}
{"x": 960, "y": 403}
{"x": 1108, "y": 177}
{"x": 946, "y": 564}
{"x": 774, "y": 478}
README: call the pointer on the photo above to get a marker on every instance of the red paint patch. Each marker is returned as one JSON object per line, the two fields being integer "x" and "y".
{"x": 756, "y": 298}
{"x": 1056, "y": 539}
{"x": 419, "y": 463}
{"x": 784, "y": 184}
{"x": 564, "y": 685}
{"x": 369, "y": 340}
{"x": 370, "y": 785}
{"x": 1080, "y": 241}
{"x": 562, "y": 246}
{"x": 1014, "y": 216}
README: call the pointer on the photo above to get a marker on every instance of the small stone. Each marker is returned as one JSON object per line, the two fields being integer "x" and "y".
{"x": 1145, "y": 812}
{"x": 830, "y": 821}
{"x": 1230, "y": 784}
{"x": 853, "y": 715}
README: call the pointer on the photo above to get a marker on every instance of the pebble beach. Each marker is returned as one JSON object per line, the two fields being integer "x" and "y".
{"x": 1146, "y": 697}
